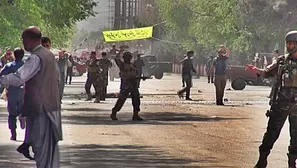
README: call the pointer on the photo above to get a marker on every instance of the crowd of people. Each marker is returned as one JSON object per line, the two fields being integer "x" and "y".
{"x": 130, "y": 73}
{"x": 35, "y": 90}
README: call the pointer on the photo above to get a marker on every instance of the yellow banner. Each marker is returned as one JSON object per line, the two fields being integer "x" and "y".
{"x": 128, "y": 34}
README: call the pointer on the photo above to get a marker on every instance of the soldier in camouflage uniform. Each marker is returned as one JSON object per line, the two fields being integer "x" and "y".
{"x": 105, "y": 64}
{"x": 285, "y": 103}
{"x": 94, "y": 77}
{"x": 129, "y": 81}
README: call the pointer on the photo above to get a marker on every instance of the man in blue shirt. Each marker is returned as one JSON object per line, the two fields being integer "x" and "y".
{"x": 220, "y": 66}
{"x": 15, "y": 95}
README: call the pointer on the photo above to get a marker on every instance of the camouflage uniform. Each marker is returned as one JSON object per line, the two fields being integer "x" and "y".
{"x": 95, "y": 77}
{"x": 129, "y": 83}
{"x": 105, "y": 64}
{"x": 285, "y": 107}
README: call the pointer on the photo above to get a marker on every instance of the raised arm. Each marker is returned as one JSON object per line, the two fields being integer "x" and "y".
{"x": 119, "y": 62}
{"x": 227, "y": 52}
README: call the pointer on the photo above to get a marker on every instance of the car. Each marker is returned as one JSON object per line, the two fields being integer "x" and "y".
{"x": 240, "y": 76}
{"x": 155, "y": 67}
{"x": 79, "y": 69}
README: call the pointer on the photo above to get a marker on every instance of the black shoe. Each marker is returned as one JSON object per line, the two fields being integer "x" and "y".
{"x": 113, "y": 115}
{"x": 180, "y": 95}
{"x": 188, "y": 99}
{"x": 136, "y": 118}
{"x": 262, "y": 162}
{"x": 24, "y": 149}
{"x": 97, "y": 101}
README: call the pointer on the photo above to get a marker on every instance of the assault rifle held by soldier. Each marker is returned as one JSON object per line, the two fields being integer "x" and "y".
{"x": 283, "y": 104}
{"x": 276, "y": 87}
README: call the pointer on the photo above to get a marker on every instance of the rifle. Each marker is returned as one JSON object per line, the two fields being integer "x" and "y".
{"x": 276, "y": 88}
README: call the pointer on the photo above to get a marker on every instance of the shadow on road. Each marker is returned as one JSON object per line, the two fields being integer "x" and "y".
{"x": 118, "y": 156}
{"x": 99, "y": 156}
{"x": 151, "y": 118}
{"x": 174, "y": 116}
{"x": 10, "y": 158}
{"x": 84, "y": 109}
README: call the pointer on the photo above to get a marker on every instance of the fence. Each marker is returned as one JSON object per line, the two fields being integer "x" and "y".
{"x": 177, "y": 68}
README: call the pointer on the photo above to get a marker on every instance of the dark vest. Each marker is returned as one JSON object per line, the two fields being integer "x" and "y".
{"x": 42, "y": 91}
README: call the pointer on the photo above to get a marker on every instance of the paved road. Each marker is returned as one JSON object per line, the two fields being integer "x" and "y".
{"x": 176, "y": 133}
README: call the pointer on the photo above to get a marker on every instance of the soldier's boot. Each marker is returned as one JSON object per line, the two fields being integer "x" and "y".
{"x": 220, "y": 102}
{"x": 262, "y": 162}
{"x": 90, "y": 96}
{"x": 136, "y": 116}
{"x": 113, "y": 115}
{"x": 180, "y": 95}
{"x": 292, "y": 160}
{"x": 97, "y": 100}
{"x": 102, "y": 98}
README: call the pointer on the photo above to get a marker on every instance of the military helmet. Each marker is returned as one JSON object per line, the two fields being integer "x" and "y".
{"x": 127, "y": 55}
{"x": 291, "y": 36}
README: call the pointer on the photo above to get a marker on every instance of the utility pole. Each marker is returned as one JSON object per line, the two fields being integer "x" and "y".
{"x": 125, "y": 12}
{"x": 117, "y": 11}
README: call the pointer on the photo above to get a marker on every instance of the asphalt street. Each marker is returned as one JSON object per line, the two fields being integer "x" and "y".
{"x": 175, "y": 133}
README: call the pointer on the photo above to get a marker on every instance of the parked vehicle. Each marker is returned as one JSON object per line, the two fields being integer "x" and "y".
{"x": 154, "y": 67}
{"x": 240, "y": 76}
{"x": 79, "y": 69}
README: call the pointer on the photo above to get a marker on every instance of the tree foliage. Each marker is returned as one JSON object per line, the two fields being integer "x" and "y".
{"x": 245, "y": 26}
{"x": 55, "y": 18}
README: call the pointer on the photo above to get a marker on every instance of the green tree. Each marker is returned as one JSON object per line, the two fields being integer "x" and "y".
{"x": 245, "y": 26}
{"x": 55, "y": 18}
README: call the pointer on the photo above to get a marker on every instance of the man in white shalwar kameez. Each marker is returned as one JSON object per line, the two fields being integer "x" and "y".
{"x": 41, "y": 99}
